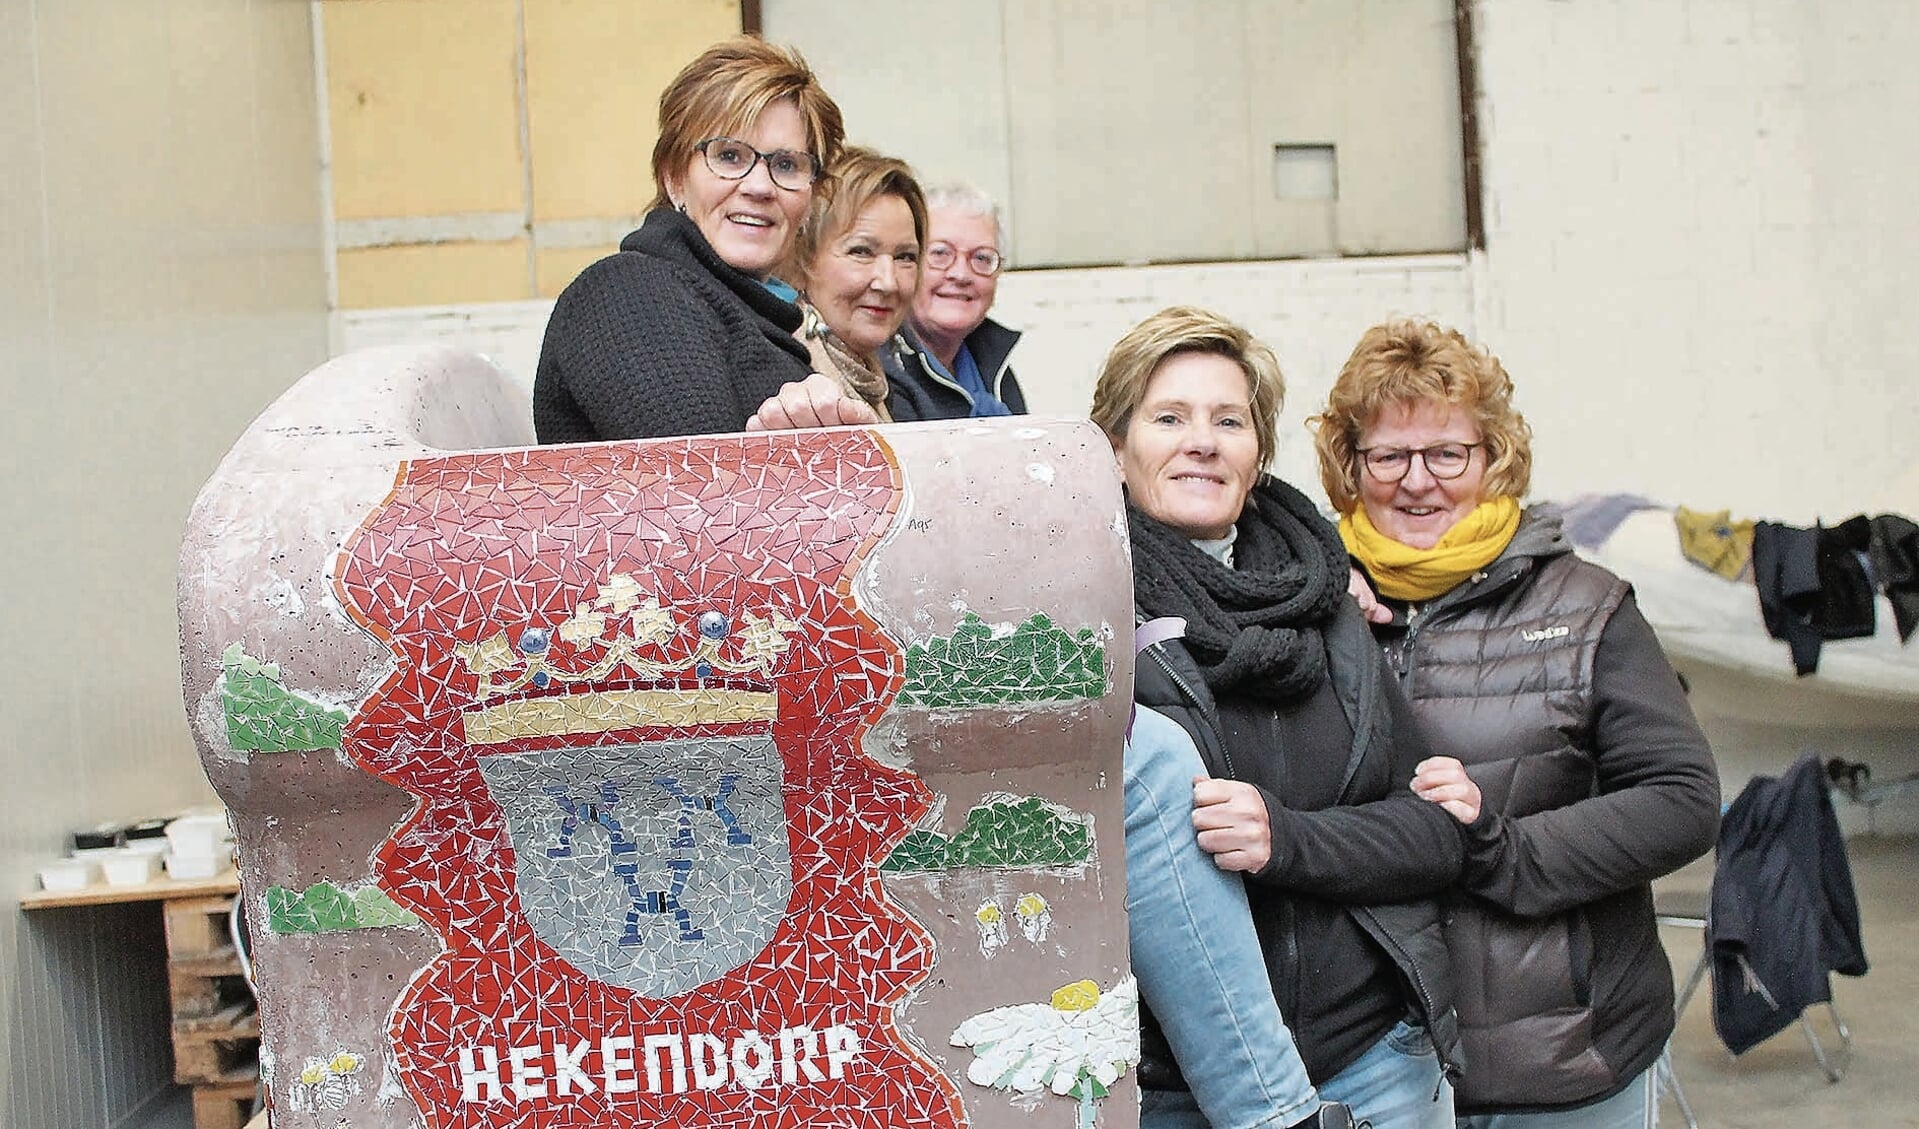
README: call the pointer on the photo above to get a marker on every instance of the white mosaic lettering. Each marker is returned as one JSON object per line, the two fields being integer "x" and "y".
{"x": 567, "y": 1071}
{"x": 666, "y": 1063}
{"x": 618, "y": 1071}
{"x": 842, "y": 1047}
{"x": 676, "y": 1054}
{"x": 798, "y": 1047}
{"x": 528, "y": 1077}
{"x": 708, "y": 1053}
{"x": 757, "y": 1074}
{"x": 480, "y": 1069}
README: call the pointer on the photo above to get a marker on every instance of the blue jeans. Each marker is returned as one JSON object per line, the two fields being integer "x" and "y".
{"x": 1635, "y": 1107}
{"x": 1396, "y": 1084}
{"x": 1195, "y": 955}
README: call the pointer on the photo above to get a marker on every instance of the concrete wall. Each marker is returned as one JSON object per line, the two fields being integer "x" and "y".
{"x": 1043, "y": 104}
{"x": 161, "y": 280}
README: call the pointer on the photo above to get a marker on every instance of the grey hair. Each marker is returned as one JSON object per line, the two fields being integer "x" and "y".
{"x": 969, "y": 200}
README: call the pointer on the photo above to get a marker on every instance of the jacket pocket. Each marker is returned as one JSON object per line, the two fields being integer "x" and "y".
{"x": 1510, "y": 967}
{"x": 1579, "y": 953}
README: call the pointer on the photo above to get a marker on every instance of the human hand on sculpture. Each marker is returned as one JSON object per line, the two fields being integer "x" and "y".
{"x": 1230, "y": 818}
{"x": 817, "y": 401}
{"x": 1443, "y": 781}
{"x": 1362, "y": 593}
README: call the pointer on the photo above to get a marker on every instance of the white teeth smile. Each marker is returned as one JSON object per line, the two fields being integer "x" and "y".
{"x": 751, "y": 221}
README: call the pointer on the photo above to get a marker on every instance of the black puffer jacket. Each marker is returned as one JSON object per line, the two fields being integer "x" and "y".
{"x": 1540, "y": 675}
{"x": 1355, "y": 854}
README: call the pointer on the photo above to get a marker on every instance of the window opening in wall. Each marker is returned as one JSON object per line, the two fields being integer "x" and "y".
{"x": 1305, "y": 172}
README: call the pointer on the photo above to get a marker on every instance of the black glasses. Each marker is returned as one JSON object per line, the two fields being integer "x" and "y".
{"x": 731, "y": 159}
{"x": 1445, "y": 461}
{"x": 982, "y": 261}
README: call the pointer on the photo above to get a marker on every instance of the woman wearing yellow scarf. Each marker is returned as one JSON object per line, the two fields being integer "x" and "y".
{"x": 1565, "y": 743}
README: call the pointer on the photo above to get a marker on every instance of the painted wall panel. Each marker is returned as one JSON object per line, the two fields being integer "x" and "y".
{"x": 594, "y": 73}
{"x": 1133, "y": 132}
{"x": 559, "y": 266}
{"x": 926, "y": 82}
{"x": 1129, "y": 132}
{"x": 429, "y": 273}
{"x": 422, "y": 96}
{"x": 1379, "y": 80}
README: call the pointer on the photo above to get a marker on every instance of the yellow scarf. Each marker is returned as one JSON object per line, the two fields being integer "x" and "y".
{"x": 1405, "y": 573}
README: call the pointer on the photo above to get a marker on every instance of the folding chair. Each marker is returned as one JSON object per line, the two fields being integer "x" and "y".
{"x": 1679, "y": 916}
{"x": 1752, "y": 829}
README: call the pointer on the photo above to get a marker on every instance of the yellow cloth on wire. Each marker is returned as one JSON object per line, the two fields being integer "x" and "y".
{"x": 1402, "y": 572}
{"x": 1714, "y": 541}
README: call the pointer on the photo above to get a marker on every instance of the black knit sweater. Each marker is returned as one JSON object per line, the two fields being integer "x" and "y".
{"x": 663, "y": 338}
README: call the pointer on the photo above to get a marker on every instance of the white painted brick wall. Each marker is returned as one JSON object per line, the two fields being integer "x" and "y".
{"x": 1699, "y": 254}
{"x": 1309, "y": 311}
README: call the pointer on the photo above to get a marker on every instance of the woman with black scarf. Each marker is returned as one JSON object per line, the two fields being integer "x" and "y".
{"x": 1289, "y": 765}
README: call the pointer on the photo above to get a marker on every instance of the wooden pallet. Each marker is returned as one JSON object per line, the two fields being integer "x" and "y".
{"x": 216, "y": 1027}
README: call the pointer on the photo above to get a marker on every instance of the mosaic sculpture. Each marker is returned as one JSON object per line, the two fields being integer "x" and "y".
{"x": 689, "y": 782}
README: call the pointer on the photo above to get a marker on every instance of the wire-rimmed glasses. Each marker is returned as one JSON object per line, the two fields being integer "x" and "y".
{"x": 982, "y": 261}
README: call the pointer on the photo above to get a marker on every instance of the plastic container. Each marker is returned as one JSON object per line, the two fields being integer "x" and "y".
{"x": 130, "y": 867}
{"x": 107, "y": 836}
{"x": 189, "y": 867}
{"x": 68, "y": 874}
{"x": 200, "y": 836}
{"x": 148, "y": 835}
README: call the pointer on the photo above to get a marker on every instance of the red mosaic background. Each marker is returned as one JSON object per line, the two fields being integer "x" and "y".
{"x": 471, "y": 545}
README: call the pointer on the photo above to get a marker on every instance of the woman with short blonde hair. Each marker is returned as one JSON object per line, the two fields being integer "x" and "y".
{"x": 1272, "y": 694}
{"x": 677, "y": 333}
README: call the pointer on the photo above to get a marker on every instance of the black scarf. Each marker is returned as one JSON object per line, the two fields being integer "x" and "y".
{"x": 1254, "y": 629}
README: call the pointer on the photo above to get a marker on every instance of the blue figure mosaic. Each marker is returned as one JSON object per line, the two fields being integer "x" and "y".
{"x": 655, "y": 866}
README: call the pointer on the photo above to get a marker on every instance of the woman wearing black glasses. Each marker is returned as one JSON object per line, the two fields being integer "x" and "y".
{"x": 1566, "y": 747}
{"x": 677, "y": 334}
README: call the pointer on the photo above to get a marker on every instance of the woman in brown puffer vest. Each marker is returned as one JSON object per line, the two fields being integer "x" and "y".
{"x": 1565, "y": 743}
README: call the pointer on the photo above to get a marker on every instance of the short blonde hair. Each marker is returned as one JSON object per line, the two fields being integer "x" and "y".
{"x": 860, "y": 176}
{"x": 1410, "y": 362}
{"x": 1130, "y": 366}
{"x": 725, "y": 90}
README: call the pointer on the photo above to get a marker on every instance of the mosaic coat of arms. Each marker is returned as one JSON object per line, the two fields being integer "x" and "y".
{"x": 710, "y": 782}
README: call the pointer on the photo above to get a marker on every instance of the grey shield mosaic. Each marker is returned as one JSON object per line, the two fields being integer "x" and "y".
{"x": 656, "y": 866}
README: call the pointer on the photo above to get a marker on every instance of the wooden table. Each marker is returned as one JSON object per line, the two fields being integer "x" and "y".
{"x": 216, "y": 1029}
{"x": 160, "y": 889}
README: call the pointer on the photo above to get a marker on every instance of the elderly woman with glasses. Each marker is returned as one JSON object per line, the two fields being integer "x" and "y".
{"x": 951, "y": 363}
{"x": 678, "y": 333}
{"x": 1566, "y": 748}
{"x": 1323, "y": 975}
